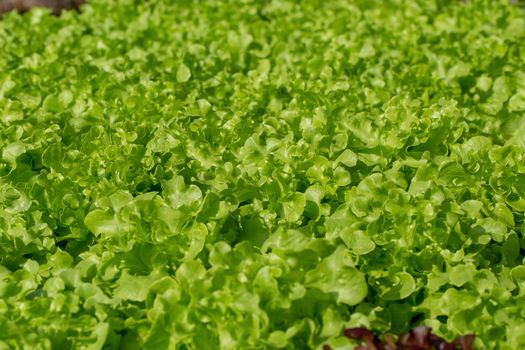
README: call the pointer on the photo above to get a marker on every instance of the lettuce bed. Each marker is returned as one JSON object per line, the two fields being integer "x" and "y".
{"x": 261, "y": 174}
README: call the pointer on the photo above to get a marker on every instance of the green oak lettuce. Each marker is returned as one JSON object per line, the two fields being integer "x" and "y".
{"x": 261, "y": 174}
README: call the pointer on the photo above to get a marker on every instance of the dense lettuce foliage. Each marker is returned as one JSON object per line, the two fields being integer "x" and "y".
{"x": 261, "y": 174}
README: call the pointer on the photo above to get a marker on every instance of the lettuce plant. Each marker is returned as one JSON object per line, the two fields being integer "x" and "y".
{"x": 245, "y": 174}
